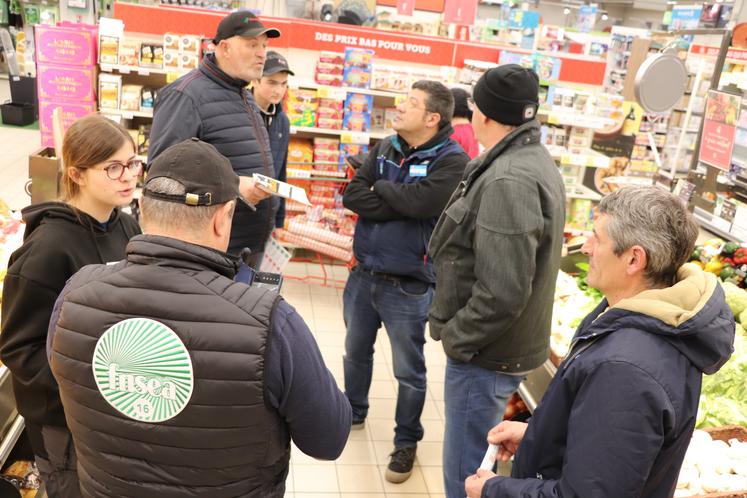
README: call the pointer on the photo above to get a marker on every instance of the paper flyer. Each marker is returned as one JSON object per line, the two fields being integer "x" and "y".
{"x": 281, "y": 189}
{"x": 274, "y": 258}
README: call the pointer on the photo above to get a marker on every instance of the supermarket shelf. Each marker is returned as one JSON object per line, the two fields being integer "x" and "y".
{"x": 365, "y": 91}
{"x": 576, "y": 119}
{"x": 704, "y": 220}
{"x": 589, "y": 158}
{"x": 143, "y": 71}
{"x": 376, "y": 135}
{"x": 127, "y": 114}
{"x": 11, "y": 423}
{"x": 581, "y": 192}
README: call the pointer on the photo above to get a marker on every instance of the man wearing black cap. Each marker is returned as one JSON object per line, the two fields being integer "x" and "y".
{"x": 212, "y": 103}
{"x": 496, "y": 250}
{"x": 268, "y": 92}
{"x": 177, "y": 380}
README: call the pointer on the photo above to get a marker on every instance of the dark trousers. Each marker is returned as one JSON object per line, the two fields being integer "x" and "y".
{"x": 55, "y": 456}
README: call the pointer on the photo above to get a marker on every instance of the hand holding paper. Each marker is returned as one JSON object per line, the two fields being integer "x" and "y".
{"x": 251, "y": 191}
{"x": 281, "y": 189}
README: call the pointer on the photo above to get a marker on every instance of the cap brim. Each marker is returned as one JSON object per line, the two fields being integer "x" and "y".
{"x": 276, "y": 70}
{"x": 255, "y": 32}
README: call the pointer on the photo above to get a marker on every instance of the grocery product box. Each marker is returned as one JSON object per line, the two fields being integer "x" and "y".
{"x": 389, "y": 114}
{"x": 70, "y": 83}
{"x": 171, "y": 59}
{"x": 130, "y": 97}
{"x": 108, "y": 49}
{"x": 190, "y": 44}
{"x": 64, "y": 45}
{"x": 44, "y": 171}
{"x": 323, "y": 143}
{"x": 110, "y": 90}
{"x": 70, "y": 112}
{"x": 326, "y": 156}
{"x": 358, "y": 67}
{"x": 358, "y": 103}
{"x": 300, "y": 150}
{"x": 326, "y": 56}
{"x": 351, "y": 150}
{"x": 301, "y": 107}
{"x": 151, "y": 55}
{"x": 128, "y": 52}
{"x": 171, "y": 41}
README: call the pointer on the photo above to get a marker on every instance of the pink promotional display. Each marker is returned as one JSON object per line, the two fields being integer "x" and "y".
{"x": 66, "y": 69}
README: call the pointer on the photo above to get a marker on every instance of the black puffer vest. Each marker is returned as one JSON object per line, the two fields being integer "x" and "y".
{"x": 226, "y": 442}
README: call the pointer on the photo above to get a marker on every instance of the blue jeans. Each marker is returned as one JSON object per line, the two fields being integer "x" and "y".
{"x": 474, "y": 400}
{"x": 402, "y": 306}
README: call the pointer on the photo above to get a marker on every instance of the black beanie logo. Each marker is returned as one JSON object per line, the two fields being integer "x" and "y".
{"x": 529, "y": 112}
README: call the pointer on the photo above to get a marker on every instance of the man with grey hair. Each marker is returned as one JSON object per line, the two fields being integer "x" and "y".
{"x": 617, "y": 418}
{"x": 176, "y": 380}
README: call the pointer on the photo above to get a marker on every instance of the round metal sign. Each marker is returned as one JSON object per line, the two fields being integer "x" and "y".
{"x": 661, "y": 82}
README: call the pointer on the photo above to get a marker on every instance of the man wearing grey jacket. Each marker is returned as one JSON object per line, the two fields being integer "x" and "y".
{"x": 496, "y": 250}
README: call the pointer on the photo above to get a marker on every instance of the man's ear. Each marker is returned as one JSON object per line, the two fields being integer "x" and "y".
{"x": 637, "y": 260}
{"x": 432, "y": 120}
{"x": 223, "y": 219}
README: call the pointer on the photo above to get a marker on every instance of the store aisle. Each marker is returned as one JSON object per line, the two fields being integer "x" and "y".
{"x": 359, "y": 472}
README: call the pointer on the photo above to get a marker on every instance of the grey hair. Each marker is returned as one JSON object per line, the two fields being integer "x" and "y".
{"x": 657, "y": 221}
{"x": 172, "y": 215}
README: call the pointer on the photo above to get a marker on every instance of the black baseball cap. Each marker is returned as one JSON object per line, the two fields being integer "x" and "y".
{"x": 276, "y": 63}
{"x": 243, "y": 23}
{"x": 206, "y": 174}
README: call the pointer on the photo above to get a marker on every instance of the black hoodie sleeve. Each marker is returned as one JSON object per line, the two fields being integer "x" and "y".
{"x": 427, "y": 198}
{"x": 362, "y": 200}
{"x": 26, "y": 309}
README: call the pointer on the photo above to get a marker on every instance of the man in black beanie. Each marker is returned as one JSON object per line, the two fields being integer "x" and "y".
{"x": 496, "y": 250}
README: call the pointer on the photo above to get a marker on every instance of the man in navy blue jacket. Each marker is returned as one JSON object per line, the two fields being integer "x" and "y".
{"x": 398, "y": 194}
{"x": 617, "y": 418}
{"x": 269, "y": 92}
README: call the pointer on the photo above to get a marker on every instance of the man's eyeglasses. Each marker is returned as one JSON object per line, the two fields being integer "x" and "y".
{"x": 116, "y": 169}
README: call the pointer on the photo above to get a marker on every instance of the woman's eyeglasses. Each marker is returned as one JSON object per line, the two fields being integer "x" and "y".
{"x": 116, "y": 169}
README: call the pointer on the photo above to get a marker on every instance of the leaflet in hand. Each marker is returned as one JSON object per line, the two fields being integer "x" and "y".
{"x": 281, "y": 189}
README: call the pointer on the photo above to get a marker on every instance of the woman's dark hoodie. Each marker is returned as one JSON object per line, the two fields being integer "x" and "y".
{"x": 58, "y": 241}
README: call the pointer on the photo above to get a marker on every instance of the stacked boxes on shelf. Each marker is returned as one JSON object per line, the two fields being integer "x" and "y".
{"x": 329, "y": 114}
{"x": 326, "y": 156}
{"x": 358, "y": 108}
{"x": 181, "y": 52}
{"x": 302, "y": 107}
{"x": 66, "y": 68}
{"x": 329, "y": 69}
{"x": 358, "y": 67}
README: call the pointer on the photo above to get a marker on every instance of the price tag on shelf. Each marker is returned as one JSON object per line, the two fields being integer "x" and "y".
{"x": 128, "y": 115}
{"x": 293, "y": 130}
{"x": 143, "y": 72}
{"x": 355, "y": 137}
{"x": 329, "y": 92}
{"x": 172, "y": 77}
{"x": 298, "y": 173}
{"x": 553, "y": 119}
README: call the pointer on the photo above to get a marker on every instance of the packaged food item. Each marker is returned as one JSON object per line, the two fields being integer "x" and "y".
{"x": 398, "y": 80}
{"x": 171, "y": 60}
{"x": 131, "y": 97}
{"x": 188, "y": 61}
{"x": 110, "y": 88}
{"x": 324, "y": 143}
{"x": 358, "y": 67}
{"x": 148, "y": 99}
{"x": 190, "y": 44}
{"x": 357, "y": 121}
{"x": 328, "y": 79}
{"x": 143, "y": 139}
{"x": 358, "y": 103}
{"x": 128, "y": 52}
{"x": 326, "y": 156}
{"x": 380, "y": 78}
{"x": 109, "y": 49}
{"x": 300, "y": 150}
{"x": 331, "y": 104}
{"x": 331, "y": 57}
{"x": 327, "y": 68}
{"x": 301, "y": 107}
{"x": 329, "y": 123}
{"x": 151, "y": 55}
{"x": 377, "y": 118}
{"x": 171, "y": 41}
{"x": 389, "y": 114}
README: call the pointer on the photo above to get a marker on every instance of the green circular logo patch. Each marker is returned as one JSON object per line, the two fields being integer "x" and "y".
{"x": 143, "y": 370}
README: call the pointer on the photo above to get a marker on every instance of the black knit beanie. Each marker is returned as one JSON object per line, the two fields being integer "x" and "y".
{"x": 508, "y": 94}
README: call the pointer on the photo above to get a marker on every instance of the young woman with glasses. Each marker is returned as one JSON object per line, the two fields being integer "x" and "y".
{"x": 86, "y": 227}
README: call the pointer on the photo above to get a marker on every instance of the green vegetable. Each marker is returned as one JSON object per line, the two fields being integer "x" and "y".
{"x": 729, "y": 248}
{"x": 736, "y": 298}
{"x": 727, "y": 273}
{"x": 583, "y": 283}
{"x": 722, "y": 400}
{"x": 695, "y": 256}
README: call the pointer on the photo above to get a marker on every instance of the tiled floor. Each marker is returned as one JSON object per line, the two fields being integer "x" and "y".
{"x": 359, "y": 472}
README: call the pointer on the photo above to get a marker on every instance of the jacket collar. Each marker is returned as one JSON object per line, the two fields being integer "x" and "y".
{"x": 429, "y": 148}
{"x": 169, "y": 252}
{"x": 209, "y": 67}
{"x": 526, "y": 134}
